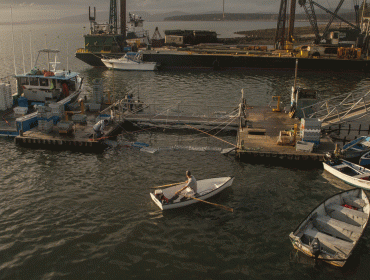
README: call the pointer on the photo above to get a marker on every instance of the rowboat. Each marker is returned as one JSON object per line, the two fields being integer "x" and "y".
{"x": 206, "y": 189}
{"x": 365, "y": 159}
{"x": 349, "y": 172}
{"x": 357, "y": 147}
{"x": 332, "y": 230}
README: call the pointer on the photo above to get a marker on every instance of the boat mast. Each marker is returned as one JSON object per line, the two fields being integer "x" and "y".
{"x": 11, "y": 16}
{"x": 24, "y": 66}
{"x": 31, "y": 47}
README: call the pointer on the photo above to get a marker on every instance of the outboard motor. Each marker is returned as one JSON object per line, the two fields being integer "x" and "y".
{"x": 315, "y": 247}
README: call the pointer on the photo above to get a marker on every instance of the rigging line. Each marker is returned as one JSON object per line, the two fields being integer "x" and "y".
{"x": 211, "y": 135}
{"x": 226, "y": 126}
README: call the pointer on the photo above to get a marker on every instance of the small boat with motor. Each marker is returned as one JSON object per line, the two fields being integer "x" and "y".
{"x": 333, "y": 229}
{"x": 357, "y": 147}
{"x": 206, "y": 189}
{"x": 130, "y": 61}
{"x": 349, "y": 172}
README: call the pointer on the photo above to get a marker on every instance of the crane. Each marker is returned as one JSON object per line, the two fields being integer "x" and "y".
{"x": 308, "y": 6}
{"x": 280, "y": 40}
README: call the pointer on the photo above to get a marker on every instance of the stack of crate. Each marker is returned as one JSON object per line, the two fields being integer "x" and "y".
{"x": 97, "y": 91}
{"x": 65, "y": 126}
{"x": 6, "y": 99}
{"x": 45, "y": 126}
{"x": 57, "y": 111}
{"x": 20, "y": 111}
{"x": 45, "y": 119}
{"x": 80, "y": 118}
{"x": 310, "y": 130}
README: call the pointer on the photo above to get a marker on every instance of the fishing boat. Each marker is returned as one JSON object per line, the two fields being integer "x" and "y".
{"x": 206, "y": 189}
{"x": 333, "y": 229}
{"x": 349, "y": 172}
{"x": 130, "y": 61}
{"x": 357, "y": 147}
{"x": 48, "y": 84}
{"x": 365, "y": 159}
{"x": 50, "y": 89}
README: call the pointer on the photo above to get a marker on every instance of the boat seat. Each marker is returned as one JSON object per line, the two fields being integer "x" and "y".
{"x": 344, "y": 214}
{"x": 354, "y": 201}
{"x": 330, "y": 242}
{"x": 339, "y": 166}
{"x": 338, "y": 229}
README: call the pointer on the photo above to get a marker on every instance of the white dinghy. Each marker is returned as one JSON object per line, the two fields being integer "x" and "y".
{"x": 206, "y": 189}
{"x": 332, "y": 230}
{"x": 349, "y": 172}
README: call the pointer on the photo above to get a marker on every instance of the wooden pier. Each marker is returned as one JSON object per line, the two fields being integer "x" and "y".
{"x": 80, "y": 139}
{"x": 258, "y": 137}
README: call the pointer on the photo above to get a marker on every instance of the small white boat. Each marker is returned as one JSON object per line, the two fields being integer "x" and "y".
{"x": 130, "y": 61}
{"x": 357, "y": 147}
{"x": 365, "y": 159}
{"x": 206, "y": 189}
{"x": 332, "y": 230}
{"x": 349, "y": 172}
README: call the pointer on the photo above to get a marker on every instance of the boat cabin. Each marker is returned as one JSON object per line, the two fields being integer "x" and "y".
{"x": 47, "y": 85}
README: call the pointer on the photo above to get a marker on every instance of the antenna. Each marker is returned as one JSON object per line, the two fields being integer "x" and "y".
{"x": 67, "y": 56}
{"x": 31, "y": 47}
{"x": 11, "y": 16}
{"x": 24, "y": 66}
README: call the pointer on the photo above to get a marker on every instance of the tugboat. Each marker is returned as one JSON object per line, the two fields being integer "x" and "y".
{"x": 108, "y": 40}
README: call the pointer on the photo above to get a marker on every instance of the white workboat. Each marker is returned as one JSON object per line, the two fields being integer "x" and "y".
{"x": 332, "y": 230}
{"x": 206, "y": 189}
{"x": 130, "y": 61}
{"x": 349, "y": 172}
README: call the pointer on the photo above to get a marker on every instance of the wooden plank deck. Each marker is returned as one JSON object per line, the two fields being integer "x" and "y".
{"x": 259, "y": 138}
{"x": 80, "y": 139}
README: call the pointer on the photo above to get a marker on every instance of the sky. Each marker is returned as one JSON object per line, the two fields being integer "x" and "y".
{"x": 50, "y": 9}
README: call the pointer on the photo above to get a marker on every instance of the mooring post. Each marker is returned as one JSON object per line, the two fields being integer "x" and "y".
{"x": 344, "y": 140}
{"x": 349, "y": 128}
{"x": 359, "y": 129}
{"x": 339, "y": 128}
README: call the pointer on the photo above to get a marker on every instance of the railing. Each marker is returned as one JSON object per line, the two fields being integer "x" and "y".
{"x": 339, "y": 108}
{"x": 154, "y": 110}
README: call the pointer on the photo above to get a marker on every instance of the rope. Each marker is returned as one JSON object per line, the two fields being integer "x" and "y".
{"x": 211, "y": 135}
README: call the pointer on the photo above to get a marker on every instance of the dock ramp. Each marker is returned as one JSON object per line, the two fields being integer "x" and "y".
{"x": 339, "y": 109}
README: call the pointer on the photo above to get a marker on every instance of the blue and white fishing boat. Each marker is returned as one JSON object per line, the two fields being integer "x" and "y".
{"x": 51, "y": 89}
{"x": 365, "y": 159}
{"x": 349, "y": 172}
{"x": 357, "y": 147}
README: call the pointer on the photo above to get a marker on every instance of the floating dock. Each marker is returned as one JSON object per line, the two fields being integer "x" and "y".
{"x": 257, "y": 139}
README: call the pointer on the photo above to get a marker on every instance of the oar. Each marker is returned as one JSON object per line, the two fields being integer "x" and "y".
{"x": 169, "y": 185}
{"x": 214, "y": 204}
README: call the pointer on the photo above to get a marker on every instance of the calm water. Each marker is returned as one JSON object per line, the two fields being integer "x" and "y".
{"x": 85, "y": 216}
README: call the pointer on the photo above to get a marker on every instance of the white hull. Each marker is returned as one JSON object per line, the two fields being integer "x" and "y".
{"x": 206, "y": 189}
{"x": 356, "y": 180}
{"x": 338, "y": 224}
{"x": 129, "y": 65}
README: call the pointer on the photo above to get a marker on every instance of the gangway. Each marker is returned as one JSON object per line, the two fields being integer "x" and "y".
{"x": 339, "y": 109}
